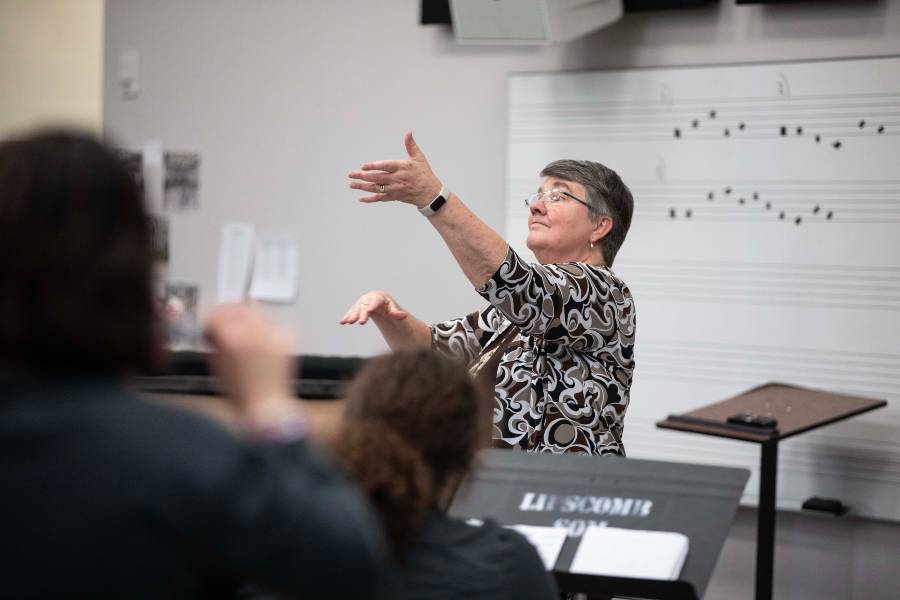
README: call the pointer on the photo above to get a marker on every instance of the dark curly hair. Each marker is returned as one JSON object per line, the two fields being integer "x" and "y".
{"x": 76, "y": 264}
{"x": 413, "y": 422}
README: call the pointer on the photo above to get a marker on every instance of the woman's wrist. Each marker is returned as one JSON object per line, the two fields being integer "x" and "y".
{"x": 430, "y": 192}
{"x": 279, "y": 420}
{"x": 436, "y": 203}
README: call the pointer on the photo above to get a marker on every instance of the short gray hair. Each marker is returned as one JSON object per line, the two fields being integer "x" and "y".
{"x": 607, "y": 195}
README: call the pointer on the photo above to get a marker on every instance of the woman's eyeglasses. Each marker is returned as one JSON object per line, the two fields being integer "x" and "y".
{"x": 552, "y": 196}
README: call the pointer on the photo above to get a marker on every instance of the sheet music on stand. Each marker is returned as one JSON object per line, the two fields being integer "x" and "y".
{"x": 638, "y": 554}
{"x": 547, "y": 540}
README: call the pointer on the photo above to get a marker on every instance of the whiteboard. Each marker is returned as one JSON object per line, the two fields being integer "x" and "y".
{"x": 765, "y": 246}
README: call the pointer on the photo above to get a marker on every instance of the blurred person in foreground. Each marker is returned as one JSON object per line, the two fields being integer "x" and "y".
{"x": 556, "y": 340}
{"x": 412, "y": 424}
{"x": 104, "y": 494}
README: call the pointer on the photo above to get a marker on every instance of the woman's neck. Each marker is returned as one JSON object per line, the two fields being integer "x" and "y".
{"x": 591, "y": 257}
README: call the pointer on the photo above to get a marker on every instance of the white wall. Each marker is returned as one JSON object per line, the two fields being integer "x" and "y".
{"x": 283, "y": 98}
{"x": 50, "y": 63}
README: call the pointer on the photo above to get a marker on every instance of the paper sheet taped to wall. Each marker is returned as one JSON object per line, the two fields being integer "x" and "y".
{"x": 235, "y": 253}
{"x": 275, "y": 269}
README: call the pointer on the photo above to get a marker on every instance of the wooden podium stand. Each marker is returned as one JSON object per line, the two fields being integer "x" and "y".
{"x": 796, "y": 410}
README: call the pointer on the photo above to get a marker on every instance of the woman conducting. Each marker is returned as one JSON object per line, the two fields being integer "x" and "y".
{"x": 557, "y": 337}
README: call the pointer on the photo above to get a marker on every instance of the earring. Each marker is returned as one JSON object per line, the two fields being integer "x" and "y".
{"x": 592, "y": 245}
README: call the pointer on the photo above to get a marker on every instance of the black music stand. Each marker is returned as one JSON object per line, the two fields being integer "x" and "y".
{"x": 796, "y": 410}
{"x": 699, "y": 501}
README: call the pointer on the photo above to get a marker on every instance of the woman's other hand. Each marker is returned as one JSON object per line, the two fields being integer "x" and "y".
{"x": 411, "y": 181}
{"x": 254, "y": 361}
{"x": 374, "y": 303}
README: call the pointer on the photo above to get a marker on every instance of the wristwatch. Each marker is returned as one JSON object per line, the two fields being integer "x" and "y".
{"x": 436, "y": 204}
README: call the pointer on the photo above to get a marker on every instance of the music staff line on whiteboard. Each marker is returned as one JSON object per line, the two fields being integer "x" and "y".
{"x": 822, "y": 291}
{"x": 859, "y": 383}
{"x": 711, "y": 106}
{"x": 666, "y": 132}
{"x": 762, "y": 287}
{"x": 747, "y": 116}
{"x": 843, "y": 356}
{"x": 757, "y": 201}
{"x": 653, "y": 123}
{"x": 527, "y": 182}
{"x": 729, "y": 202}
{"x": 747, "y": 380}
{"x": 719, "y": 137}
{"x": 738, "y": 211}
{"x": 880, "y": 280}
{"x": 878, "y": 126}
{"x": 833, "y": 201}
{"x": 767, "y": 302}
{"x": 712, "y": 111}
{"x": 779, "y": 197}
{"x": 769, "y": 212}
{"x": 767, "y": 284}
{"x": 709, "y": 101}
{"x": 753, "y": 265}
{"x": 770, "y": 189}
{"x": 868, "y": 381}
{"x": 762, "y": 269}
{"x": 796, "y": 219}
{"x": 755, "y": 182}
{"x": 606, "y": 120}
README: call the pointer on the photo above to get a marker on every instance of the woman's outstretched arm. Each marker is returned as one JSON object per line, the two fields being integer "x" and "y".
{"x": 399, "y": 328}
{"x": 477, "y": 248}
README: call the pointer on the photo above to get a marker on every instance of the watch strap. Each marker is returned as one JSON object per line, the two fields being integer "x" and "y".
{"x": 436, "y": 204}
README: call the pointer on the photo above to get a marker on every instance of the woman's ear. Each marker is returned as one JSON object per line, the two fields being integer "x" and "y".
{"x": 601, "y": 229}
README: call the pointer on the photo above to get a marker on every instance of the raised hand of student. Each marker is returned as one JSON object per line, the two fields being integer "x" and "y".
{"x": 253, "y": 359}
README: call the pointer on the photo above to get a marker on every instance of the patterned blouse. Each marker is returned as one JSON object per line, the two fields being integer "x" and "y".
{"x": 564, "y": 381}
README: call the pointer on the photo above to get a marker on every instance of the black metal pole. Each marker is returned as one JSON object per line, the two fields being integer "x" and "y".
{"x": 765, "y": 520}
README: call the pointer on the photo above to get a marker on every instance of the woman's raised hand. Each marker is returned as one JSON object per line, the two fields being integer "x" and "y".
{"x": 411, "y": 180}
{"x": 254, "y": 359}
{"x": 374, "y": 303}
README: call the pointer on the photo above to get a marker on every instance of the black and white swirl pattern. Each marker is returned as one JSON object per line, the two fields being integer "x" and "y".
{"x": 563, "y": 384}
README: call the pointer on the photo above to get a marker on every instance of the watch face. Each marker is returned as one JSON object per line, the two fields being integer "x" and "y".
{"x": 436, "y": 204}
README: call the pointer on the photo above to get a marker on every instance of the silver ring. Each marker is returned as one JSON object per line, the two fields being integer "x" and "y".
{"x": 381, "y": 188}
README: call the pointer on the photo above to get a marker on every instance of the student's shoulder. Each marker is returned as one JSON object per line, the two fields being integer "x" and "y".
{"x": 524, "y": 572}
{"x": 517, "y": 547}
{"x": 504, "y": 555}
{"x": 162, "y": 438}
{"x": 505, "y": 543}
{"x": 180, "y": 421}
